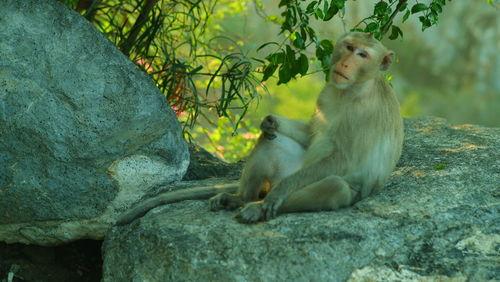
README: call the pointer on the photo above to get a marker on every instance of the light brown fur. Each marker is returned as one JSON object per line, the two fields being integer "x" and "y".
{"x": 352, "y": 143}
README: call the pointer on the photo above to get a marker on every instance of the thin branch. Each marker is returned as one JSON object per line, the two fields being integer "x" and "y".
{"x": 134, "y": 32}
{"x": 388, "y": 24}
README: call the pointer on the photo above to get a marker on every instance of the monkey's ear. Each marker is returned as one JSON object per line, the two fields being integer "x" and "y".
{"x": 387, "y": 60}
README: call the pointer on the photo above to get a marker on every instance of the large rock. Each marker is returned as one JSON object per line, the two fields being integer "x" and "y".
{"x": 436, "y": 220}
{"x": 84, "y": 132}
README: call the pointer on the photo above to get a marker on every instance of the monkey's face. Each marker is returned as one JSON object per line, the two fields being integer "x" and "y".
{"x": 357, "y": 58}
{"x": 352, "y": 63}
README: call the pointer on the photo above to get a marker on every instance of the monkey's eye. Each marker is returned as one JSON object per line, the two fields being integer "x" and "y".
{"x": 349, "y": 47}
{"x": 363, "y": 55}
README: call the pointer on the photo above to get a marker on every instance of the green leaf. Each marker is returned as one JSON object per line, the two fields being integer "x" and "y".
{"x": 338, "y": 3}
{"x": 418, "y": 8}
{"x": 269, "y": 71}
{"x": 312, "y": 34}
{"x": 327, "y": 45}
{"x": 436, "y": 7}
{"x": 332, "y": 11}
{"x": 285, "y": 26}
{"x": 396, "y": 31}
{"x": 258, "y": 60}
{"x": 276, "y": 58}
{"x": 284, "y": 3}
{"x": 303, "y": 64}
{"x": 319, "y": 13}
{"x": 310, "y": 7}
{"x": 295, "y": 67}
{"x": 265, "y": 44}
{"x": 320, "y": 52}
{"x": 303, "y": 33}
{"x": 325, "y": 61}
{"x": 371, "y": 27}
{"x": 399, "y": 31}
{"x": 299, "y": 42}
{"x": 285, "y": 74}
{"x": 433, "y": 17}
{"x": 290, "y": 17}
{"x": 196, "y": 70}
{"x": 407, "y": 14}
{"x": 380, "y": 8}
{"x": 426, "y": 23}
{"x": 403, "y": 7}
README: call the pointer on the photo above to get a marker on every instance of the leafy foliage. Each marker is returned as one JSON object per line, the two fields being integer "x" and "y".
{"x": 223, "y": 143}
{"x": 203, "y": 73}
{"x": 179, "y": 44}
{"x": 289, "y": 58}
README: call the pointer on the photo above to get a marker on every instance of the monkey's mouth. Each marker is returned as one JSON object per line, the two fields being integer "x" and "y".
{"x": 341, "y": 75}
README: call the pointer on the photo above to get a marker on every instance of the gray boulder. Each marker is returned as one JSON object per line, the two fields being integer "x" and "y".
{"x": 436, "y": 220}
{"x": 84, "y": 132}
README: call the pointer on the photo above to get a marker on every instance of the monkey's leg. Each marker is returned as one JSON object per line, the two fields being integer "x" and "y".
{"x": 330, "y": 193}
{"x": 253, "y": 178}
{"x": 252, "y": 181}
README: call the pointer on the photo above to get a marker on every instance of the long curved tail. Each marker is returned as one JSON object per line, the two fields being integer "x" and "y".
{"x": 196, "y": 193}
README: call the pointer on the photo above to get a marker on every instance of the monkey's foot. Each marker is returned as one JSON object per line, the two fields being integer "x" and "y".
{"x": 224, "y": 201}
{"x": 272, "y": 204}
{"x": 251, "y": 213}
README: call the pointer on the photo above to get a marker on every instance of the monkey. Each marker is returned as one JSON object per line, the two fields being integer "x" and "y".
{"x": 275, "y": 157}
{"x": 350, "y": 146}
{"x": 345, "y": 152}
{"x": 235, "y": 194}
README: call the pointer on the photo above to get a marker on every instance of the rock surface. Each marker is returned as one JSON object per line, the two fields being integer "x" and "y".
{"x": 204, "y": 165}
{"x": 84, "y": 132}
{"x": 436, "y": 220}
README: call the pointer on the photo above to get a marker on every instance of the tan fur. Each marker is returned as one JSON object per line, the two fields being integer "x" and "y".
{"x": 355, "y": 137}
{"x": 203, "y": 192}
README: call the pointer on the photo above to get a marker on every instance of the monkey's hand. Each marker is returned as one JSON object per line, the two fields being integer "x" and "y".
{"x": 251, "y": 213}
{"x": 269, "y": 126}
{"x": 271, "y": 205}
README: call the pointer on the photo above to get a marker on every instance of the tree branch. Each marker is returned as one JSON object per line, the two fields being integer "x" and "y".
{"x": 134, "y": 32}
{"x": 388, "y": 24}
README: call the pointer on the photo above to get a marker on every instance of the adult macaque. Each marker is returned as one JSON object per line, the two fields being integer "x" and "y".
{"x": 347, "y": 150}
{"x": 344, "y": 153}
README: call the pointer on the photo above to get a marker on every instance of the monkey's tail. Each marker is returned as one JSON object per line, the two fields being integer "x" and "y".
{"x": 196, "y": 193}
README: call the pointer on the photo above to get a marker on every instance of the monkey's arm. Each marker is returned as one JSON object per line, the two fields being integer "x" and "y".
{"x": 196, "y": 193}
{"x": 294, "y": 129}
